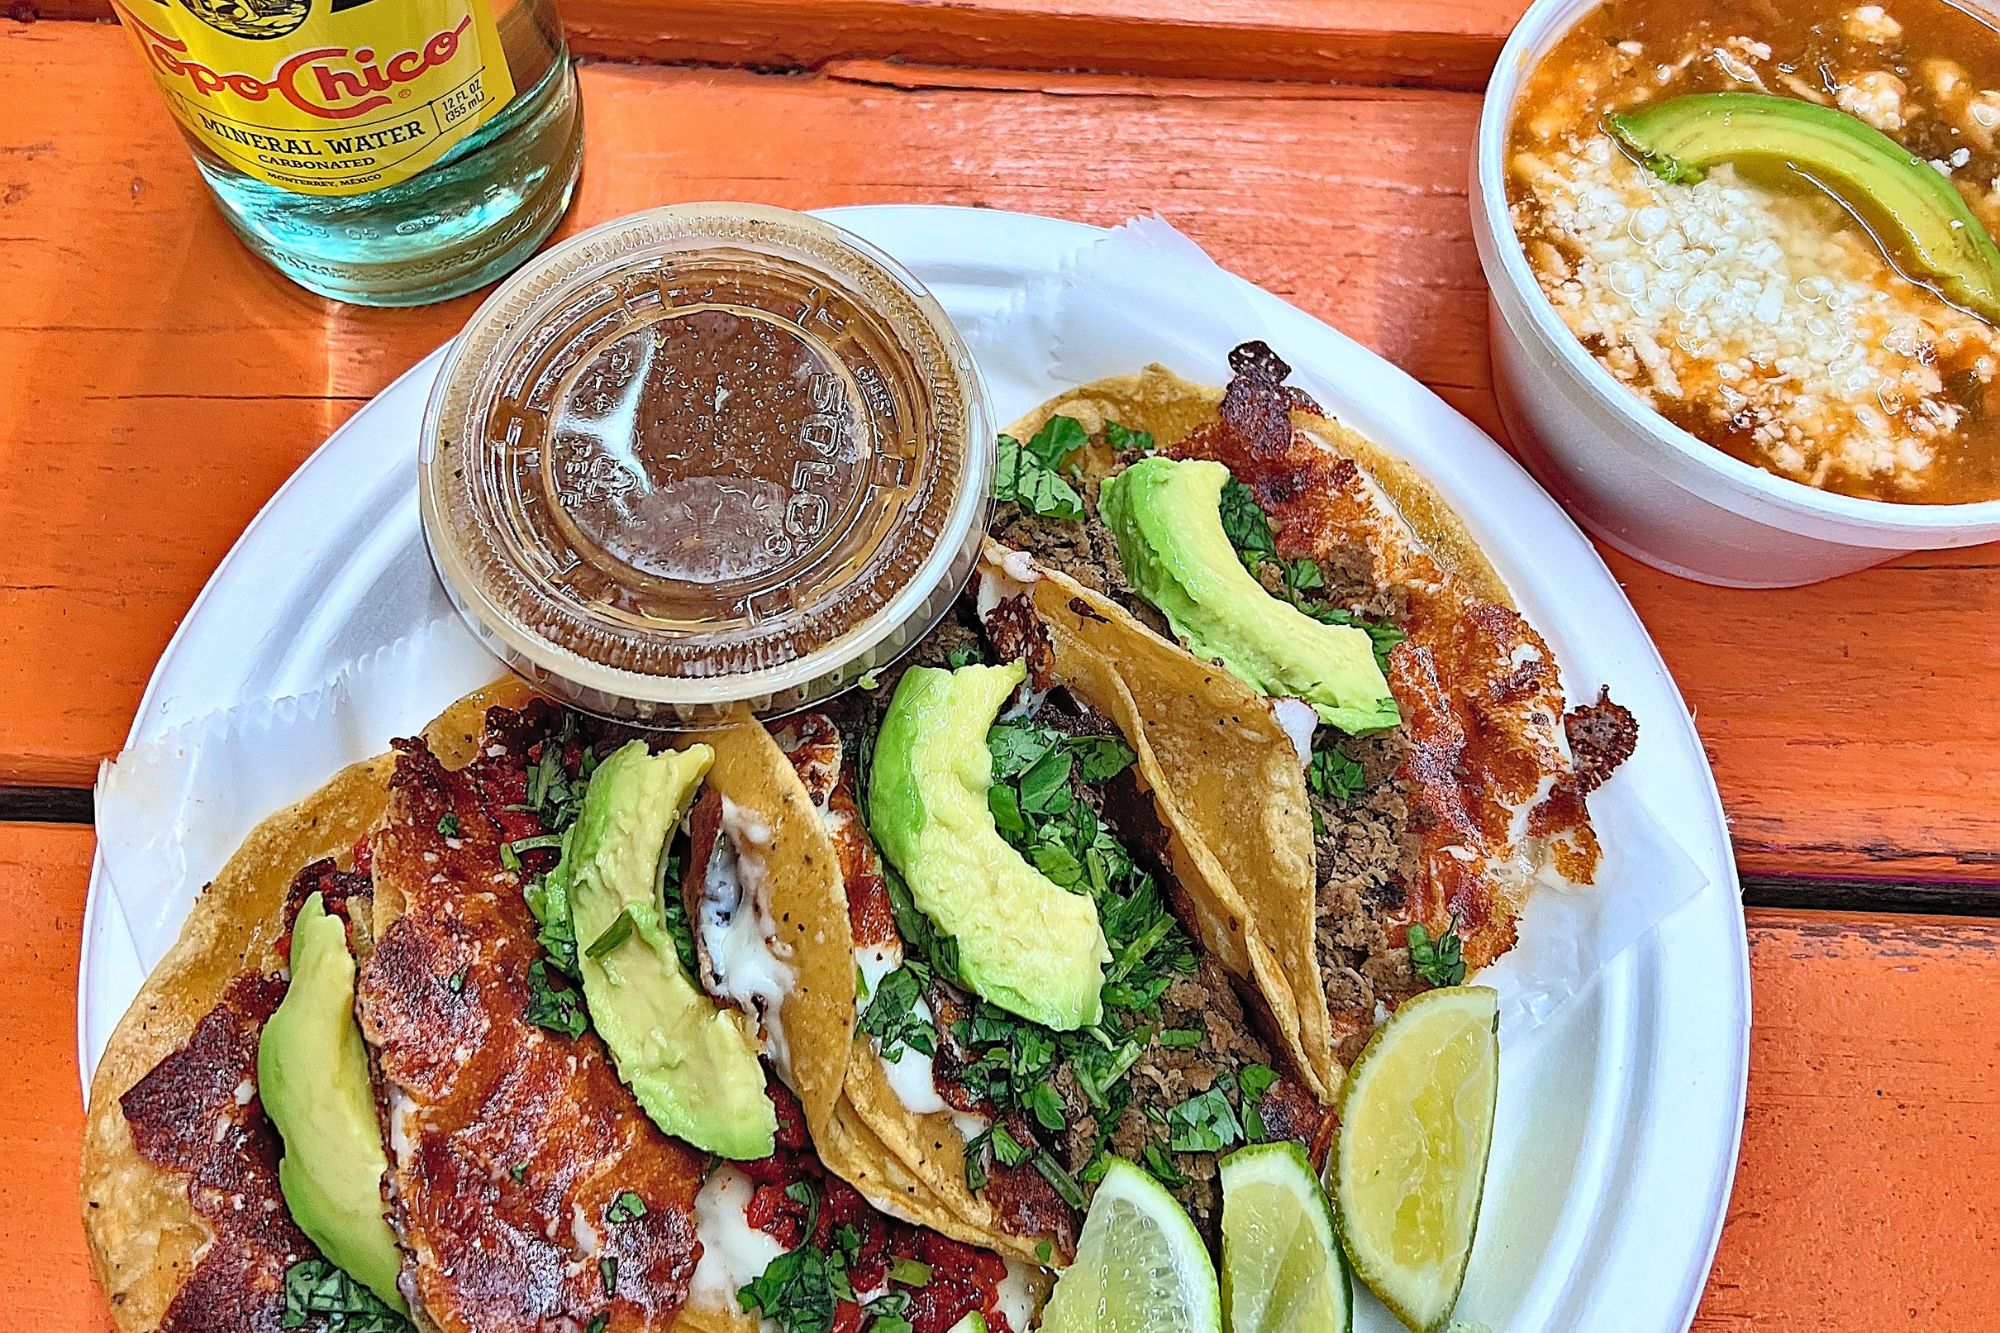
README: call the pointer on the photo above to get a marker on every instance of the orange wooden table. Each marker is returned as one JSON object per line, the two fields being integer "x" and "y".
{"x": 157, "y": 383}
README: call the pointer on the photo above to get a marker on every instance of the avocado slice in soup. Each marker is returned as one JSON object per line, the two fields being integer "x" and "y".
{"x": 1925, "y": 226}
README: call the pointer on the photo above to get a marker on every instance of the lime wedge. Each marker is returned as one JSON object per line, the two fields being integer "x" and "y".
{"x": 1282, "y": 1270}
{"x": 1140, "y": 1265}
{"x": 1416, "y": 1122}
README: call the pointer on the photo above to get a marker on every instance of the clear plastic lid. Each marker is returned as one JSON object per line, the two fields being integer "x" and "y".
{"x": 707, "y": 454}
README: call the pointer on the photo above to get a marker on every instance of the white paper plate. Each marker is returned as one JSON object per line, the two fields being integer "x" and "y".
{"x": 1619, "y": 1119}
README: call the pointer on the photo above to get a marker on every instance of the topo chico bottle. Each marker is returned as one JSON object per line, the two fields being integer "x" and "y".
{"x": 386, "y": 152}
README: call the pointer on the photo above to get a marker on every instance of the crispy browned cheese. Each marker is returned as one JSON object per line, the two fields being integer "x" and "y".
{"x": 508, "y": 1142}
{"x": 1478, "y": 687}
{"x": 189, "y": 1117}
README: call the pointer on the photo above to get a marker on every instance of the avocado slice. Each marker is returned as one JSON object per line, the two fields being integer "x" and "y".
{"x": 1024, "y": 942}
{"x": 1166, "y": 515}
{"x": 1923, "y": 223}
{"x": 312, "y": 1073}
{"x": 690, "y": 1063}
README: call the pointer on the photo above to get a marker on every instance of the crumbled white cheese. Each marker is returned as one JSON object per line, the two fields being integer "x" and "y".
{"x": 1871, "y": 23}
{"x": 1876, "y": 97}
{"x": 1754, "y": 310}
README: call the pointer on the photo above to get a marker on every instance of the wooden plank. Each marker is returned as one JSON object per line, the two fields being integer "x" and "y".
{"x": 1865, "y": 1200}
{"x": 1439, "y": 43}
{"x": 43, "y": 1266}
{"x": 1869, "y": 1191}
{"x": 157, "y": 383}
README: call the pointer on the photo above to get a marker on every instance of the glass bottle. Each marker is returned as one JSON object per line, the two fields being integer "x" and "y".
{"x": 384, "y": 152}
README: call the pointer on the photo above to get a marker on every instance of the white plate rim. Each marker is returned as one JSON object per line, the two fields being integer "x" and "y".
{"x": 983, "y": 233}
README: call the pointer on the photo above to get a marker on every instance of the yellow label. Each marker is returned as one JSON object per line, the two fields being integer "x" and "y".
{"x": 325, "y": 96}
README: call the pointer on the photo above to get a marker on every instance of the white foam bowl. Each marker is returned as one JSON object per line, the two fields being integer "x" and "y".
{"x": 1630, "y": 476}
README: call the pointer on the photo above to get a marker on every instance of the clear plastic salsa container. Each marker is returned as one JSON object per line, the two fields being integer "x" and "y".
{"x": 705, "y": 455}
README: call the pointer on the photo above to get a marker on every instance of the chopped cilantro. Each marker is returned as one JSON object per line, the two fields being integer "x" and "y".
{"x": 1121, "y": 439}
{"x": 1180, "y": 1039}
{"x": 553, "y": 794}
{"x": 1060, "y": 1180}
{"x": 1246, "y": 525}
{"x": 1204, "y": 1122}
{"x": 553, "y": 1005}
{"x": 607, "y": 1268}
{"x": 539, "y": 843}
{"x": 1044, "y": 1251}
{"x": 548, "y": 899}
{"x": 1161, "y": 1167}
{"x": 1046, "y": 1106}
{"x": 1334, "y": 775}
{"x": 321, "y": 1296}
{"x": 614, "y": 935}
{"x": 847, "y": 1242}
{"x": 893, "y": 1017}
{"x": 598, "y": 1323}
{"x": 964, "y": 655}
{"x": 975, "y": 1160}
{"x": 796, "y": 1290}
{"x": 673, "y": 913}
{"x": 1302, "y": 576}
{"x": 937, "y": 948}
{"x": 1254, "y": 1082}
{"x": 448, "y": 826}
{"x": 886, "y": 1313}
{"x": 1440, "y": 959}
{"x": 627, "y": 1207}
{"x": 519, "y": 1171}
{"x": 1100, "y": 758}
{"x": 1007, "y": 1150}
{"x": 910, "y": 1272}
{"x": 1025, "y": 479}
{"x": 1057, "y": 441}
{"x": 457, "y": 981}
{"x": 1383, "y": 635}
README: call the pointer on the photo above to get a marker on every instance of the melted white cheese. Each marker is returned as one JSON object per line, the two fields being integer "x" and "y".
{"x": 1299, "y": 720}
{"x": 875, "y": 961}
{"x": 1016, "y": 1296}
{"x": 1009, "y": 578}
{"x": 912, "y": 1074}
{"x": 733, "y": 1253}
{"x": 739, "y": 934}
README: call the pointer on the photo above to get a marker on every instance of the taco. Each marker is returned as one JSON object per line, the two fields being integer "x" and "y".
{"x": 434, "y": 1050}
{"x": 1033, "y": 997}
{"x": 1351, "y": 718}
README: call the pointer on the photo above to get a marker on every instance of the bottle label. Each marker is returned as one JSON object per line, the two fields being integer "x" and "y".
{"x": 328, "y": 97}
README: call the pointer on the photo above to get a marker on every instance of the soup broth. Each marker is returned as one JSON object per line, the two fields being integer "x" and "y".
{"x": 1752, "y": 308}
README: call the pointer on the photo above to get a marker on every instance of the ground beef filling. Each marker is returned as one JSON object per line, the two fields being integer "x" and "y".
{"x": 1365, "y": 851}
{"x": 1165, "y": 1077}
{"x": 1085, "y": 550}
